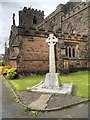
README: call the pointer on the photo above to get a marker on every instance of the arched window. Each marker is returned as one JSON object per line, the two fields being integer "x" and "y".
{"x": 73, "y": 52}
{"x": 70, "y": 28}
{"x": 69, "y": 52}
{"x": 34, "y": 20}
{"x": 66, "y": 51}
{"x": 51, "y": 25}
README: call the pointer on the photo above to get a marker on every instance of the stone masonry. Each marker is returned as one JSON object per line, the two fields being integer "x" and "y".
{"x": 28, "y": 51}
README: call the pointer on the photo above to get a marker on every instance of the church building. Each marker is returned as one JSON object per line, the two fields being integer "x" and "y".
{"x": 28, "y": 50}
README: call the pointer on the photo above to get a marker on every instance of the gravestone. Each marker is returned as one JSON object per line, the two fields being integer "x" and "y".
{"x": 52, "y": 78}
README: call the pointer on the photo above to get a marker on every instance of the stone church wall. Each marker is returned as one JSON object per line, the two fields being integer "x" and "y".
{"x": 33, "y": 55}
{"x": 76, "y": 21}
{"x": 29, "y": 52}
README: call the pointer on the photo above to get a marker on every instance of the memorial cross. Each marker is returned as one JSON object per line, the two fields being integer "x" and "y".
{"x": 52, "y": 40}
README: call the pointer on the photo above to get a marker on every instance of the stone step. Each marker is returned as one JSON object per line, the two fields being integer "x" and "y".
{"x": 41, "y": 102}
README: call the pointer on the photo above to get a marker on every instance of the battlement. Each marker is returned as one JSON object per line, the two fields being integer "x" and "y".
{"x": 31, "y": 31}
{"x": 72, "y": 36}
{"x": 59, "y": 8}
{"x": 76, "y": 9}
{"x": 71, "y": 4}
{"x": 62, "y": 8}
{"x": 28, "y": 10}
{"x": 30, "y": 17}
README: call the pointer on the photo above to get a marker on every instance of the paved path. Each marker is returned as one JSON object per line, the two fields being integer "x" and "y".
{"x": 79, "y": 111}
{"x": 41, "y": 102}
{"x": 10, "y": 109}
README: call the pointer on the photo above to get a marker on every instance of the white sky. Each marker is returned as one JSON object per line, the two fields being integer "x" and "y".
{"x": 8, "y": 7}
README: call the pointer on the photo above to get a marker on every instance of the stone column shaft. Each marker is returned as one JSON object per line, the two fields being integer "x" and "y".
{"x": 68, "y": 51}
{"x": 52, "y": 68}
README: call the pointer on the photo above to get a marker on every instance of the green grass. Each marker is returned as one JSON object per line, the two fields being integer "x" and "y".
{"x": 79, "y": 79}
{"x": 28, "y": 82}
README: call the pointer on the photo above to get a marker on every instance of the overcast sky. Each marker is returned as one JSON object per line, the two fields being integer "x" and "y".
{"x": 8, "y": 7}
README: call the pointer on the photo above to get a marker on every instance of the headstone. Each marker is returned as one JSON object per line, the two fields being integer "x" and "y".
{"x": 52, "y": 78}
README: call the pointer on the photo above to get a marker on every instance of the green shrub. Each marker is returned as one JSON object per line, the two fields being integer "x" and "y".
{"x": 11, "y": 73}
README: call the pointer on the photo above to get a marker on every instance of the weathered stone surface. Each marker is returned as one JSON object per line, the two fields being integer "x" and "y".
{"x": 52, "y": 80}
{"x": 41, "y": 102}
{"x": 52, "y": 40}
{"x": 63, "y": 89}
{"x": 68, "y": 17}
{"x": 70, "y": 25}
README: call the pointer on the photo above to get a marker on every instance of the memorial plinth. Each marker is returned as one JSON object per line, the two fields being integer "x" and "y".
{"x": 52, "y": 80}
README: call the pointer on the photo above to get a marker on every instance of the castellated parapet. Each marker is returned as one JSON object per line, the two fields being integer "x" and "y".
{"x": 31, "y": 31}
{"x": 25, "y": 9}
{"x": 77, "y": 19}
{"x": 76, "y": 9}
{"x": 59, "y": 10}
{"x": 30, "y": 17}
{"x": 64, "y": 15}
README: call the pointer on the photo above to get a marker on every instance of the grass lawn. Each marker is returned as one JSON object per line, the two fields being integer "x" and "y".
{"x": 79, "y": 79}
{"x": 27, "y": 82}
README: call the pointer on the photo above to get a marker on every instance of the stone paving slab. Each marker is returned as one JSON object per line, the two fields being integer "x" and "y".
{"x": 41, "y": 102}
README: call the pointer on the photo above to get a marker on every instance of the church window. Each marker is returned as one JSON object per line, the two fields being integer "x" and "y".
{"x": 71, "y": 29}
{"x": 51, "y": 25}
{"x": 69, "y": 52}
{"x": 34, "y": 20}
{"x": 66, "y": 51}
{"x": 54, "y": 19}
{"x": 73, "y": 52}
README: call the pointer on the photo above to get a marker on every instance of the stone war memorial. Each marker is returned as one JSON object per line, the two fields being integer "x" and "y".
{"x": 53, "y": 53}
{"x": 52, "y": 83}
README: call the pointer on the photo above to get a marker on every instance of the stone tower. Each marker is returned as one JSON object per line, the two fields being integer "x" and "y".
{"x": 71, "y": 4}
{"x": 30, "y": 17}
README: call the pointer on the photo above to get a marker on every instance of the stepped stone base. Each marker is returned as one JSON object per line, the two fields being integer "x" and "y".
{"x": 52, "y": 85}
{"x": 63, "y": 89}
